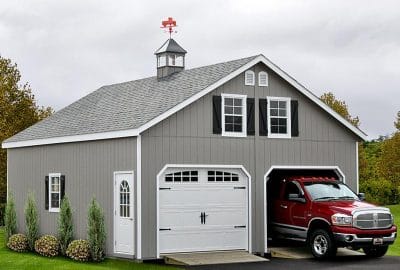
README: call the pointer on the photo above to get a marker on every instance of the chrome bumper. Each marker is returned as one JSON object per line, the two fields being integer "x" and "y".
{"x": 353, "y": 240}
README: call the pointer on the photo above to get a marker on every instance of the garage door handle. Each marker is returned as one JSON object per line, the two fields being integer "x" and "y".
{"x": 284, "y": 206}
{"x": 240, "y": 226}
{"x": 165, "y": 229}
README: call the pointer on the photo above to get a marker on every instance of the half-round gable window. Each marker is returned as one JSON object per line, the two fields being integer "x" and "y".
{"x": 249, "y": 78}
{"x": 263, "y": 78}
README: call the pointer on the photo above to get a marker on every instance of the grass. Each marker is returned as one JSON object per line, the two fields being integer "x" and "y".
{"x": 395, "y": 248}
{"x": 10, "y": 260}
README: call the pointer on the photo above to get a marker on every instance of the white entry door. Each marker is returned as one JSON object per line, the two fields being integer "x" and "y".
{"x": 123, "y": 213}
{"x": 203, "y": 209}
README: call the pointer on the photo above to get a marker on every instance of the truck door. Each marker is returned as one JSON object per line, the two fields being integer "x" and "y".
{"x": 296, "y": 204}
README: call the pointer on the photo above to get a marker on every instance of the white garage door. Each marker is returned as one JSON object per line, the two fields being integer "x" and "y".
{"x": 203, "y": 209}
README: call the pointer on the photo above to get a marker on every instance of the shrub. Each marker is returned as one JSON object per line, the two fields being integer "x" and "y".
{"x": 380, "y": 191}
{"x": 79, "y": 250}
{"x": 65, "y": 225}
{"x": 10, "y": 218}
{"x": 96, "y": 231}
{"x": 2, "y": 212}
{"x": 18, "y": 243}
{"x": 47, "y": 246}
{"x": 31, "y": 221}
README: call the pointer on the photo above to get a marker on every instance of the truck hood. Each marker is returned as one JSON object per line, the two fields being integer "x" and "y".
{"x": 346, "y": 206}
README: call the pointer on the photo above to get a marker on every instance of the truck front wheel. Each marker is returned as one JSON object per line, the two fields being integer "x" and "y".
{"x": 322, "y": 245}
{"x": 375, "y": 252}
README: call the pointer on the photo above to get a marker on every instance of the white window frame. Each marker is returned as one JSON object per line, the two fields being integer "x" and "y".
{"x": 288, "y": 134}
{"x": 244, "y": 116}
{"x": 53, "y": 209}
{"x": 259, "y": 78}
{"x": 252, "y": 74}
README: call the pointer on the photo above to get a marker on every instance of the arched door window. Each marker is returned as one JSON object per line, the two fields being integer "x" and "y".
{"x": 124, "y": 199}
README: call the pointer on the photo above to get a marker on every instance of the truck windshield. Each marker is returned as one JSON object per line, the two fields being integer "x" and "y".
{"x": 321, "y": 191}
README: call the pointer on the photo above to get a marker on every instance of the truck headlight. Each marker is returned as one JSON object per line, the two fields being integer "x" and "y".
{"x": 342, "y": 220}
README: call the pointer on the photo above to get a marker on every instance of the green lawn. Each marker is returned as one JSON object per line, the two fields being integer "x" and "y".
{"x": 395, "y": 248}
{"x": 19, "y": 261}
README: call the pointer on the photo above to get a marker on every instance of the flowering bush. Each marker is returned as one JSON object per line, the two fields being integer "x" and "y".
{"x": 18, "y": 242}
{"x": 47, "y": 246}
{"x": 79, "y": 250}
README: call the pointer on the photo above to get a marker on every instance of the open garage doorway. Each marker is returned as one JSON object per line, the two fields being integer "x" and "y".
{"x": 277, "y": 173}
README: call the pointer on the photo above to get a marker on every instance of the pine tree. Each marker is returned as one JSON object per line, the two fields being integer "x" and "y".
{"x": 96, "y": 231}
{"x": 65, "y": 225}
{"x": 31, "y": 221}
{"x": 10, "y": 218}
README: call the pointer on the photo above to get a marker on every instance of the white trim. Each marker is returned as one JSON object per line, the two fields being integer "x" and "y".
{"x": 7, "y": 157}
{"x": 75, "y": 138}
{"x": 167, "y": 166}
{"x": 266, "y": 78}
{"x": 253, "y": 78}
{"x": 288, "y": 134}
{"x": 357, "y": 171}
{"x": 51, "y": 209}
{"x": 244, "y": 115}
{"x": 288, "y": 167}
{"x": 114, "y": 209}
{"x": 139, "y": 197}
{"x": 159, "y": 118}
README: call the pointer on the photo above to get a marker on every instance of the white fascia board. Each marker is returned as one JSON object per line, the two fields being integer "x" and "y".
{"x": 74, "y": 138}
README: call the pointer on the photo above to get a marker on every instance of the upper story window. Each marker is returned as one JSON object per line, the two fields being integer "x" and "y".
{"x": 263, "y": 78}
{"x": 279, "y": 117}
{"x": 55, "y": 192}
{"x": 233, "y": 115}
{"x": 249, "y": 77}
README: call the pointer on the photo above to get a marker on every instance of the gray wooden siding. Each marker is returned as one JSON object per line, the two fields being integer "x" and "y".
{"x": 186, "y": 138}
{"x": 88, "y": 168}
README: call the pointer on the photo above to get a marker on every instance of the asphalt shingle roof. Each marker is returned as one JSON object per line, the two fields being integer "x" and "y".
{"x": 127, "y": 105}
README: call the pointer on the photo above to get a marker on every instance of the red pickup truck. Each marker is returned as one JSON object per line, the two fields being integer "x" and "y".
{"x": 327, "y": 214}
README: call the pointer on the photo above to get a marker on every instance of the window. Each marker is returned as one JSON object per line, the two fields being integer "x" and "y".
{"x": 175, "y": 60}
{"x": 279, "y": 117}
{"x": 162, "y": 61}
{"x": 233, "y": 115}
{"x": 183, "y": 176}
{"x": 249, "y": 78}
{"x": 220, "y": 176}
{"x": 54, "y": 191}
{"x": 262, "y": 78}
{"x": 292, "y": 188}
{"x": 124, "y": 199}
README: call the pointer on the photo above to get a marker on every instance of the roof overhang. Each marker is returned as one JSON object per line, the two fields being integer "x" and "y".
{"x": 180, "y": 106}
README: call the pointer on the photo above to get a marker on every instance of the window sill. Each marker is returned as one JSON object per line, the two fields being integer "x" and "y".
{"x": 54, "y": 210}
{"x": 232, "y": 134}
{"x": 280, "y": 136}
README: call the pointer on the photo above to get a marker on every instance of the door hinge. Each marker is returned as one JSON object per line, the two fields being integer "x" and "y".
{"x": 165, "y": 188}
{"x": 165, "y": 229}
{"x": 239, "y": 226}
{"x": 239, "y": 187}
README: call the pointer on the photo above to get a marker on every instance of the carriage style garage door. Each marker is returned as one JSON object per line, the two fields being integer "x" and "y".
{"x": 203, "y": 209}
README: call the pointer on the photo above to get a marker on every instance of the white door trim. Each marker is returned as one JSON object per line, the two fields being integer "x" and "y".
{"x": 138, "y": 197}
{"x": 288, "y": 167}
{"x": 114, "y": 209}
{"x": 168, "y": 166}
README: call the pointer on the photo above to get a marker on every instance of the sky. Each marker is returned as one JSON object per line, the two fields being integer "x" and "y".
{"x": 67, "y": 49}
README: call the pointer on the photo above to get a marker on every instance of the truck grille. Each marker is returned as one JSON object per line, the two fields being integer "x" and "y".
{"x": 374, "y": 220}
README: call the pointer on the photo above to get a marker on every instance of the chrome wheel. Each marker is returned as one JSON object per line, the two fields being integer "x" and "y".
{"x": 320, "y": 245}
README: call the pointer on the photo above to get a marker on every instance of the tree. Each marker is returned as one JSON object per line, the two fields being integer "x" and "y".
{"x": 31, "y": 221}
{"x": 10, "y": 218}
{"x": 397, "y": 122}
{"x": 96, "y": 231}
{"x": 18, "y": 110}
{"x": 340, "y": 107}
{"x": 65, "y": 225}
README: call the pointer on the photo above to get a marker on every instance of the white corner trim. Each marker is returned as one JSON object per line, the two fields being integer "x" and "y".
{"x": 75, "y": 138}
{"x": 244, "y": 116}
{"x": 51, "y": 209}
{"x": 154, "y": 121}
{"x": 357, "y": 171}
{"x": 295, "y": 167}
{"x": 139, "y": 197}
{"x": 228, "y": 166}
{"x": 288, "y": 134}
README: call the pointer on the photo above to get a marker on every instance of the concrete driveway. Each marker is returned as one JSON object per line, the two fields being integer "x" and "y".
{"x": 339, "y": 263}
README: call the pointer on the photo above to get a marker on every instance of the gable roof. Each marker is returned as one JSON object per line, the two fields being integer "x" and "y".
{"x": 127, "y": 109}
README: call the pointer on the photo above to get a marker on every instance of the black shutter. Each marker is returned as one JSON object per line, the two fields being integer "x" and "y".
{"x": 62, "y": 191}
{"x": 217, "y": 129}
{"x": 294, "y": 104}
{"x": 46, "y": 192}
{"x": 250, "y": 116}
{"x": 263, "y": 104}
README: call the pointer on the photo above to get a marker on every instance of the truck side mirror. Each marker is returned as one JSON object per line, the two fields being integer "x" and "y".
{"x": 296, "y": 198}
{"x": 361, "y": 196}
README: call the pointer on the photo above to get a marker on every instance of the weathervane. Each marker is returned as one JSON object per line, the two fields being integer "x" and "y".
{"x": 170, "y": 24}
